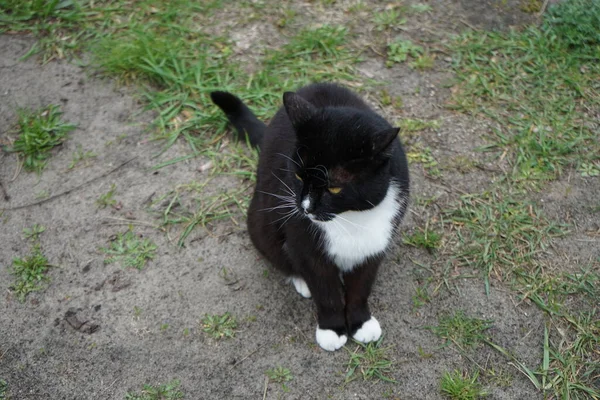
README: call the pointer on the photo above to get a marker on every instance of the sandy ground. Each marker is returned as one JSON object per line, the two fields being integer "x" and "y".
{"x": 42, "y": 356}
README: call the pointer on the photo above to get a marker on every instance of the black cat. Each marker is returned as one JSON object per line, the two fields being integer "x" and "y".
{"x": 332, "y": 186}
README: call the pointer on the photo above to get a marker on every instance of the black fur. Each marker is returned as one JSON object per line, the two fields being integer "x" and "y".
{"x": 324, "y": 137}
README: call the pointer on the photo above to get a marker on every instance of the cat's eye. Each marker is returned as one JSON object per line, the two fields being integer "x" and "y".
{"x": 334, "y": 190}
{"x": 298, "y": 177}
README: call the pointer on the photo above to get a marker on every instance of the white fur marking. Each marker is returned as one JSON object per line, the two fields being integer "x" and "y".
{"x": 329, "y": 340}
{"x": 353, "y": 236}
{"x": 306, "y": 203}
{"x": 370, "y": 331}
{"x": 301, "y": 287}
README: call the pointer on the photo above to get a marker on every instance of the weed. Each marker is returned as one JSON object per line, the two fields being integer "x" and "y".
{"x": 34, "y": 232}
{"x": 79, "y": 156}
{"x": 588, "y": 170}
{"x": 107, "y": 199}
{"x": 39, "y": 132}
{"x": 168, "y": 391}
{"x": 460, "y": 386}
{"x": 130, "y": 250}
{"x": 219, "y": 326}
{"x": 423, "y": 62}
{"x": 399, "y": 50}
{"x": 30, "y": 273}
{"x": 371, "y": 360}
{"x": 425, "y": 238}
{"x": 389, "y": 19}
{"x": 280, "y": 375}
{"x": 461, "y": 330}
{"x": 421, "y": 296}
{"x": 417, "y": 154}
{"x": 531, "y": 6}
{"x": 420, "y": 8}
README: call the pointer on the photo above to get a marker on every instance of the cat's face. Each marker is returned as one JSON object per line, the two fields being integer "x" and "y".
{"x": 334, "y": 169}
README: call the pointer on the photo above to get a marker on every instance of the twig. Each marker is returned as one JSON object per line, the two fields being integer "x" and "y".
{"x": 248, "y": 356}
{"x": 37, "y": 203}
{"x": 543, "y": 9}
{"x": 266, "y": 387}
{"x": 469, "y": 25}
{"x": 4, "y": 192}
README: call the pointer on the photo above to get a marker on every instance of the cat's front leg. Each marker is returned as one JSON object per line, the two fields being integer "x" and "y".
{"x": 358, "y": 282}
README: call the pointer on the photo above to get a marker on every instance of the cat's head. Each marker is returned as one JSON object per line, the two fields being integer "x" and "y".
{"x": 341, "y": 159}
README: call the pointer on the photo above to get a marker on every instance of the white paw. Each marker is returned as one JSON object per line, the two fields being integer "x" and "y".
{"x": 329, "y": 340}
{"x": 370, "y": 331}
{"x": 301, "y": 287}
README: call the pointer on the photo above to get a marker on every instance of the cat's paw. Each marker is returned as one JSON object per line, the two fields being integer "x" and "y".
{"x": 370, "y": 331}
{"x": 329, "y": 340}
{"x": 301, "y": 287}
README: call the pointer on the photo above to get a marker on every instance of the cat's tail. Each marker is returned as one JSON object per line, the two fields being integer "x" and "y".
{"x": 245, "y": 122}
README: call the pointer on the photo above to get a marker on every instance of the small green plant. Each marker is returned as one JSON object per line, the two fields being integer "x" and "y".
{"x": 389, "y": 19}
{"x": 30, "y": 273}
{"x": 423, "y": 62}
{"x": 461, "y": 330}
{"x": 371, "y": 361}
{"x": 80, "y": 156}
{"x": 421, "y": 296}
{"x": 399, "y": 50}
{"x": 3, "y": 390}
{"x": 424, "y": 157}
{"x": 460, "y": 386}
{"x": 129, "y": 250}
{"x": 419, "y": 8}
{"x": 589, "y": 169}
{"x": 219, "y": 326}
{"x": 280, "y": 375}
{"x": 425, "y": 238}
{"x": 417, "y": 125}
{"x": 34, "y": 232}
{"x": 39, "y": 132}
{"x": 107, "y": 199}
{"x": 168, "y": 391}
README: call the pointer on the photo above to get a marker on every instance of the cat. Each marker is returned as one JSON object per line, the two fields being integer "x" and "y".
{"x": 332, "y": 187}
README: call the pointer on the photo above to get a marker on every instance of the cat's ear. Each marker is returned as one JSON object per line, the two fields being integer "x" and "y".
{"x": 298, "y": 110}
{"x": 383, "y": 141}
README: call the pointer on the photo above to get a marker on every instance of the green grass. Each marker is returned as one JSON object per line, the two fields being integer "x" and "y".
{"x": 497, "y": 232}
{"x": 39, "y": 132}
{"x": 107, "y": 199}
{"x": 424, "y": 238}
{"x": 130, "y": 250}
{"x": 29, "y": 273}
{"x": 457, "y": 385}
{"x": 219, "y": 326}
{"x": 540, "y": 91}
{"x": 168, "y": 391}
{"x": 370, "y": 361}
{"x": 81, "y": 157}
{"x": 465, "y": 332}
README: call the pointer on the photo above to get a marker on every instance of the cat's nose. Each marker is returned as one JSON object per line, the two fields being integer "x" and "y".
{"x": 307, "y": 205}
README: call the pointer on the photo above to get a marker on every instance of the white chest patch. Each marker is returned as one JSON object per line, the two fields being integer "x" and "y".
{"x": 353, "y": 236}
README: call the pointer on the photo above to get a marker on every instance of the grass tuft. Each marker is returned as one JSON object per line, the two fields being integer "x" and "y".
{"x": 370, "y": 361}
{"x": 461, "y": 330}
{"x": 461, "y": 386}
{"x": 29, "y": 273}
{"x": 168, "y": 391}
{"x": 129, "y": 250}
{"x": 39, "y": 132}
